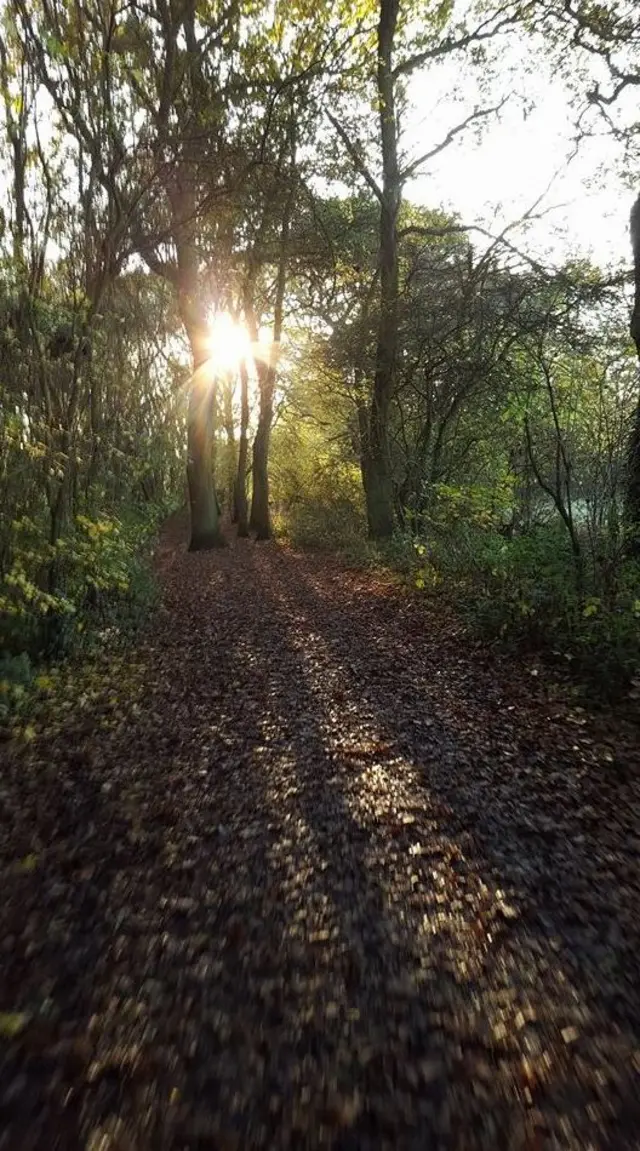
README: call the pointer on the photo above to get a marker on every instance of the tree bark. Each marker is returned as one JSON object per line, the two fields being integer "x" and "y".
{"x": 260, "y": 520}
{"x": 632, "y": 501}
{"x": 379, "y": 489}
{"x": 203, "y": 503}
{"x": 232, "y": 469}
{"x": 363, "y": 440}
{"x": 241, "y": 510}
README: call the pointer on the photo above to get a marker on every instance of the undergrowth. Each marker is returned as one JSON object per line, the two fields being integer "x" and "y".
{"x": 104, "y": 591}
{"x": 526, "y": 593}
{"x": 523, "y": 593}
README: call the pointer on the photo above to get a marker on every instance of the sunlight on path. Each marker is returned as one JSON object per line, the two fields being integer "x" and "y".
{"x": 271, "y": 928}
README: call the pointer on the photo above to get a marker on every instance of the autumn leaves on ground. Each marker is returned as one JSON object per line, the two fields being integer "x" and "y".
{"x": 313, "y": 871}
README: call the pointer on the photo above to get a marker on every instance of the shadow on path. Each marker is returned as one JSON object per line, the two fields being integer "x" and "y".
{"x": 274, "y": 905}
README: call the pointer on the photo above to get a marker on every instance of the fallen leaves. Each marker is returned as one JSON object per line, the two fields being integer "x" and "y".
{"x": 570, "y": 1034}
{"x": 12, "y": 1023}
{"x": 312, "y": 873}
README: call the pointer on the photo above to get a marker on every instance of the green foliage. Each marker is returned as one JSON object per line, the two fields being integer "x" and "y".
{"x": 524, "y": 591}
{"x": 90, "y": 457}
{"x": 100, "y": 564}
{"x": 316, "y": 480}
{"x": 16, "y": 678}
{"x": 324, "y": 521}
{"x": 109, "y": 590}
{"x": 12, "y": 1023}
{"x": 524, "y": 587}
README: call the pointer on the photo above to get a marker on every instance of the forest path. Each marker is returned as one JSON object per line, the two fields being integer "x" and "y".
{"x": 329, "y": 878}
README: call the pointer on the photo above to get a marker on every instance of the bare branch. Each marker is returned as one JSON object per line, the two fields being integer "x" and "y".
{"x": 499, "y": 240}
{"x": 473, "y": 117}
{"x": 596, "y": 96}
{"x": 485, "y": 31}
{"x": 356, "y": 156}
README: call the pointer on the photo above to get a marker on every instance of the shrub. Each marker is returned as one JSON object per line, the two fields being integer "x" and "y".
{"x": 103, "y": 584}
{"x": 525, "y": 591}
{"x": 323, "y": 524}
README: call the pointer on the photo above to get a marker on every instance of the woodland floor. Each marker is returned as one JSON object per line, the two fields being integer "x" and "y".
{"x": 314, "y": 870}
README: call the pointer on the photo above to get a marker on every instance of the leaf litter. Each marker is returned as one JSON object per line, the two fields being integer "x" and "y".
{"x": 315, "y": 870}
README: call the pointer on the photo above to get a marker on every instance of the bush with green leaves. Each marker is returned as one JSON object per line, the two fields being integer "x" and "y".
{"x": 100, "y": 572}
{"x": 526, "y": 590}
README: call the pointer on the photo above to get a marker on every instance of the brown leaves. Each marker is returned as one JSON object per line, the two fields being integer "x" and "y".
{"x": 333, "y": 877}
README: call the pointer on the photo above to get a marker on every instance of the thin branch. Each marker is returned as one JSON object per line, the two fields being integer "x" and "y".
{"x": 356, "y": 156}
{"x": 478, "y": 114}
{"x": 596, "y": 96}
{"x": 484, "y": 31}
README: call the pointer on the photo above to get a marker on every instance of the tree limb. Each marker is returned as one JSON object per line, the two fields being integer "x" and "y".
{"x": 484, "y": 31}
{"x": 356, "y": 157}
{"x": 478, "y": 114}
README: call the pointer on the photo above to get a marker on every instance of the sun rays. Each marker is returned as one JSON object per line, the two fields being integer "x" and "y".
{"x": 229, "y": 344}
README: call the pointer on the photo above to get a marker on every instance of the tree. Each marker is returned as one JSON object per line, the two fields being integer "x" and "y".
{"x": 633, "y": 465}
{"x": 598, "y": 46}
{"x": 90, "y": 410}
{"x": 403, "y": 45}
{"x": 143, "y": 96}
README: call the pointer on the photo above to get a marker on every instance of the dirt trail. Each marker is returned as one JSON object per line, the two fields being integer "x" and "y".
{"x": 330, "y": 878}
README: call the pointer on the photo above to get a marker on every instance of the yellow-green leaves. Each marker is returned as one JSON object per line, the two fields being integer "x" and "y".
{"x": 12, "y": 1023}
{"x": 591, "y": 607}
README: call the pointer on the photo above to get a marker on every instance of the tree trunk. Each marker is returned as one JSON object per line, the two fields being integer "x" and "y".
{"x": 229, "y": 427}
{"x": 203, "y": 503}
{"x": 201, "y": 415}
{"x": 260, "y": 520}
{"x": 241, "y": 510}
{"x": 95, "y": 424}
{"x": 59, "y": 515}
{"x": 632, "y": 501}
{"x": 379, "y": 490}
{"x": 363, "y": 440}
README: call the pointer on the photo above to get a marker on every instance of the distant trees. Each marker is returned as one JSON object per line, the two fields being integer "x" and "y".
{"x": 504, "y": 381}
{"x": 598, "y": 46}
{"x": 407, "y": 39}
{"x": 407, "y": 369}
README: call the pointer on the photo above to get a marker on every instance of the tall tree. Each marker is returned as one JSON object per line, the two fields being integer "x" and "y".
{"x": 404, "y": 44}
{"x": 267, "y": 366}
{"x": 146, "y": 95}
{"x": 633, "y": 465}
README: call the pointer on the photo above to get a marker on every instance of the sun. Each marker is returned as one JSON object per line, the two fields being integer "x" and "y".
{"x": 228, "y": 341}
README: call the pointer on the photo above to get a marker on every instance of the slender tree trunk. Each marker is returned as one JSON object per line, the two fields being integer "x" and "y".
{"x": 632, "y": 501}
{"x": 260, "y": 520}
{"x": 363, "y": 440}
{"x": 95, "y": 418}
{"x": 203, "y": 503}
{"x": 201, "y": 415}
{"x": 59, "y": 514}
{"x": 241, "y": 510}
{"x": 379, "y": 489}
{"x": 232, "y": 470}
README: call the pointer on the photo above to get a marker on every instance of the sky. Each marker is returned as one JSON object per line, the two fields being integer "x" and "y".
{"x": 493, "y": 179}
